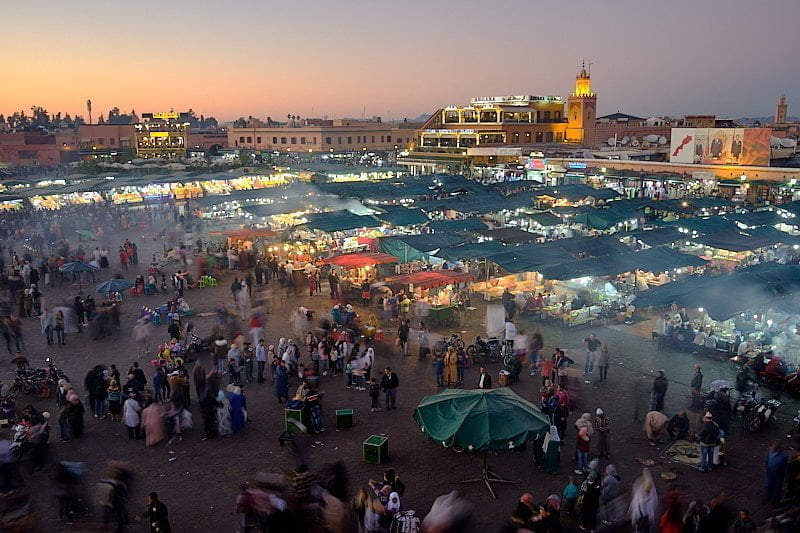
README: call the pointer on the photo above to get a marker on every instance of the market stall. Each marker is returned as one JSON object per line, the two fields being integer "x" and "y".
{"x": 361, "y": 269}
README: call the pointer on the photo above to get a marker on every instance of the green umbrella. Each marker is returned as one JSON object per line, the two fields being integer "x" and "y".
{"x": 86, "y": 234}
{"x": 480, "y": 420}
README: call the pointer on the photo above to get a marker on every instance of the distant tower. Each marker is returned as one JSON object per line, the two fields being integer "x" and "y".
{"x": 581, "y": 107}
{"x": 781, "y": 110}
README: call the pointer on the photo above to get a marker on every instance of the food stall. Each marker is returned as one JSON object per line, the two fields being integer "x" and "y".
{"x": 361, "y": 269}
{"x": 434, "y": 289}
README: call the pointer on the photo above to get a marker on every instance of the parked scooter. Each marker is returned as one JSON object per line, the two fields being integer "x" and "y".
{"x": 758, "y": 413}
{"x": 488, "y": 349}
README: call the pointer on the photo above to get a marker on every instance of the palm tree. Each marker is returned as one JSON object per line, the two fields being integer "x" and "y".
{"x": 89, "y": 109}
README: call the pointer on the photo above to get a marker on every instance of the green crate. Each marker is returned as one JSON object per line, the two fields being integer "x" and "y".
{"x": 376, "y": 449}
{"x": 299, "y": 415}
{"x": 344, "y": 418}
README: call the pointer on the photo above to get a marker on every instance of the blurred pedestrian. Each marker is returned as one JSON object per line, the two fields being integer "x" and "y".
{"x": 775, "y": 467}
{"x": 602, "y": 426}
{"x": 644, "y": 503}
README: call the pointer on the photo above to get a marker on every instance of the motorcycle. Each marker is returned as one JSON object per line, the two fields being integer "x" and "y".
{"x": 41, "y": 381}
{"x": 489, "y": 348}
{"x": 797, "y": 423}
{"x": 758, "y": 413}
{"x": 441, "y": 346}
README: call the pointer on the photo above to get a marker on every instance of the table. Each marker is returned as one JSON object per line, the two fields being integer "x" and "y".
{"x": 344, "y": 418}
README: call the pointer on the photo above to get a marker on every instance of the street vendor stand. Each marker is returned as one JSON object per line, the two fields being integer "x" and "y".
{"x": 361, "y": 268}
{"x": 441, "y": 307}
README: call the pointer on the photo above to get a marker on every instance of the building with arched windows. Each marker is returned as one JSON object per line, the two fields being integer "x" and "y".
{"x": 514, "y": 120}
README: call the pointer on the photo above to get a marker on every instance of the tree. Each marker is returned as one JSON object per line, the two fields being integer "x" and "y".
{"x": 239, "y": 122}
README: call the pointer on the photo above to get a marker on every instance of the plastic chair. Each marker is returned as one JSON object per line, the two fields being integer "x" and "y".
{"x": 212, "y": 282}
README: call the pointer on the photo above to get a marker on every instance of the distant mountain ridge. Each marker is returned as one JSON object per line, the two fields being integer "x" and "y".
{"x": 762, "y": 120}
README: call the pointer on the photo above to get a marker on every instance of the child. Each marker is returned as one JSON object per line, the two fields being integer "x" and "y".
{"x": 570, "y": 496}
{"x": 374, "y": 391}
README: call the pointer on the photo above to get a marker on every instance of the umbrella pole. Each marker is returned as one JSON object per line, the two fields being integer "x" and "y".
{"x": 487, "y": 478}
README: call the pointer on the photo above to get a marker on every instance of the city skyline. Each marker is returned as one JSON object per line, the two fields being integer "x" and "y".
{"x": 353, "y": 59}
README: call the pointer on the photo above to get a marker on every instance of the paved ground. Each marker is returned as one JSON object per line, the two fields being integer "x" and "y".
{"x": 199, "y": 486}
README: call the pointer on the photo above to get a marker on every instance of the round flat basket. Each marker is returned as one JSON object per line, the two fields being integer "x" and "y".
{"x": 668, "y": 476}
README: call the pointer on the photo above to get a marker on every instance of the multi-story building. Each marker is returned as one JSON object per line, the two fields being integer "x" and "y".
{"x": 163, "y": 135}
{"x": 315, "y": 135}
{"x": 39, "y": 149}
{"x": 105, "y": 140}
{"x": 514, "y": 120}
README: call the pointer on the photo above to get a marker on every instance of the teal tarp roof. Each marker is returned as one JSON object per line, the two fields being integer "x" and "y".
{"x": 656, "y": 237}
{"x": 509, "y": 235}
{"x": 467, "y": 224}
{"x": 533, "y": 257}
{"x": 340, "y": 221}
{"x": 479, "y": 250}
{"x": 575, "y": 192}
{"x": 760, "y": 218}
{"x": 651, "y": 260}
{"x": 397, "y": 215}
{"x": 755, "y": 288}
{"x": 546, "y": 219}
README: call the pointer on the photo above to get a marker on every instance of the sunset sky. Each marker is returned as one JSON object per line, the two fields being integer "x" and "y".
{"x": 395, "y": 58}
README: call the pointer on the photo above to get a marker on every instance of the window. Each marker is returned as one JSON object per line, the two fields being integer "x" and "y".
{"x": 539, "y": 136}
{"x": 274, "y": 140}
{"x": 249, "y": 139}
{"x": 557, "y": 115}
{"x": 549, "y": 136}
{"x": 383, "y": 138}
{"x": 113, "y": 141}
{"x": 515, "y": 137}
{"x": 349, "y": 140}
{"x": 388, "y": 138}
{"x": 527, "y": 136}
{"x": 294, "y": 140}
{"x": 258, "y": 140}
{"x": 373, "y": 138}
{"x": 241, "y": 139}
{"x": 283, "y": 140}
{"x": 559, "y": 136}
{"x": 340, "y": 140}
{"x": 546, "y": 116}
{"x": 101, "y": 141}
{"x": 302, "y": 140}
{"x": 314, "y": 140}
{"x": 327, "y": 140}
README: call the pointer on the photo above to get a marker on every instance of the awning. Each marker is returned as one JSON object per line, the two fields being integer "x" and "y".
{"x": 759, "y": 218}
{"x": 576, "y": 192}
{"x": 339, "y": 221}
{"x": 592, "y": 246}
{"x": 531, "y": 258}
{"x": 361, "y": 259}
{"x": 478, "y": 250}
{"x": 432, "y": 278}
{"x": 656, "y": 237}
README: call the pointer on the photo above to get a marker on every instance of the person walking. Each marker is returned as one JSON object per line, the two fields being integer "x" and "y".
{"x": 374, "y": 390}
{"x": 402, "y": 335}
{"x": 47, "y": 321}
{"x": 389, "y": 384}
{"x": 603, "y": 361}
{"x": 602, "y": 426}
{"x": 130, "y": 415}
{"x": 644, "y": 503}
{"x": 697, "y": 387}
{"x": 157, "y": 514}
{"x": 59, "y": 325}
{"x": 660, "y": 385}
{"x": 775, "y": 467}
{"x": 709, "y": 438}
{"x": 592, "y": 344}
{"x": 261, "y": 360}
{"x": 438, "y": 370}
{"x": 424, "y": 341}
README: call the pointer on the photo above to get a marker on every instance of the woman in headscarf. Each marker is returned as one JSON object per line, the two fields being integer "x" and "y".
{"x": 552, "y": 451}
{"x": 223, "y": 411}
{"x": 450, "y": 367}
{"x": 281, "y": 382}
{"x": 272, "y": 361}
{"x": 644, "y": 503}
{"x": 238, "y": 409}
{"x": 591, "y": 501}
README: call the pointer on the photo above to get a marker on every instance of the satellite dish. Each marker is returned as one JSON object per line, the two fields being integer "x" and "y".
{"x": 611, "y": 141}
{"x": 774, "y": 141}
{"x": 788, "y": 143}
{"x": 651, "y": 138}
{"x": 662, "y": 140}
{"x": 625, "y": 139}
{"x": 635, "y": 143}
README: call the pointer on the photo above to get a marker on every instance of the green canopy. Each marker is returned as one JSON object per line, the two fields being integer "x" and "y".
{"x": 480, "y": 420}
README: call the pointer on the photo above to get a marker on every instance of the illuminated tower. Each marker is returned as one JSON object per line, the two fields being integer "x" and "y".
{"x": 780, "y": 110}
{"x": 581, "y": 107}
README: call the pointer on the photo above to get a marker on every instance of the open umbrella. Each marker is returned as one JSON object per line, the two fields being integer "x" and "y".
{"x": 114, "y": 285}
{"x": 86, "y": 234}
{"x": 77, "y": 267}
{"x": 480, "y": 420}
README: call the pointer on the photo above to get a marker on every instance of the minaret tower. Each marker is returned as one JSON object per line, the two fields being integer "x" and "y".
{"x": 781, "y": 110}
{"x": 581, "y": 110}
